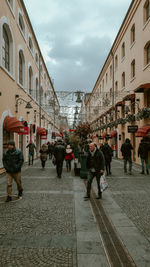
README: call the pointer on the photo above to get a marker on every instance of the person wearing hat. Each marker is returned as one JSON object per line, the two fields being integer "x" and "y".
{"x": 59, "y": 155}
{"x": 69, "y": 157}
{"x": 13, "y": 160}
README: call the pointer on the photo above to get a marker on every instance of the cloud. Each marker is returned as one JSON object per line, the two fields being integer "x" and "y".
{"x": 75, "y": 37}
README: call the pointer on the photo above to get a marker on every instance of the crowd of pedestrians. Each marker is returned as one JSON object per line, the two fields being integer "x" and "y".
{"x": 98, "y": 160}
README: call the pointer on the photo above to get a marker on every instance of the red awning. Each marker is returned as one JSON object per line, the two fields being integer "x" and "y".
{"x": 120, "y": 103}
{"x": 129, "y": 97}
{"x": 113, "y": 134}
{"x": 143, "y": 131}
{"x": 104, "y": 135}
{"x": 141, "y": 88}
{"x": 12, "y": 124}
{"x": 41, "y": 131}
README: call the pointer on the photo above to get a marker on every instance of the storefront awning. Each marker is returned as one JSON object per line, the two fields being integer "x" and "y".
{"x": 12, "y": 124}
{"x": 120, "y": 103}
{"x": 41, "y": 131}
{"x": 113, "y": 134}
{"x": 141, "y": 88}
{"x": 129, "y": 97}
{"x": 104, "y": 135}
{"x": 143, "y": 131}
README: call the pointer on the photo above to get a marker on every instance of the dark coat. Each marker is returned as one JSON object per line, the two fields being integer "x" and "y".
{"x": 98, "y": 159}
{"x": 126, "y": 149}
{"x": 59, "y": 152}
{"x": 31, "y": 148}
{"x": 143, "y": 149}
{"x": 108, "y": 153}
{"x": 13, "y": 160}
{"x": 43, "y": 152}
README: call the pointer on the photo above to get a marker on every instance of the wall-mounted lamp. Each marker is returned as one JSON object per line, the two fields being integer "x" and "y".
{"x": 19, "y": 101}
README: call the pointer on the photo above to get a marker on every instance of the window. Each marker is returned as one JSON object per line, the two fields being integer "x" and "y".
{"x": 123, "y": 79}
{"x": 110, "y": 93}
{"x": 37, "y": 89}
{"x": 21, "y": 68}
{"x": 106, "y": 77}
{"x": 147, "y": 54}
{"x": 146, "y": 11}
{"x": 11, "y": 3}
{"x": 30, "y": 81}
{"x": 30, "y": 44}
{"x": 133, "y": 69}
{"x": 21, "y": 24}
{"x": 36, "y": 58}
{"x": 116, "y": 62}
{"x": 103, "y": 83}
{"x": 148, "y": 99}
{"x": 42, "y": 96}
{"x": 123, "y": 50}
{"x": 133, "y": 34}
{"x": 6, "y": 49}
{"x": 116, "y": 88}
{"x": 110, "y": 71}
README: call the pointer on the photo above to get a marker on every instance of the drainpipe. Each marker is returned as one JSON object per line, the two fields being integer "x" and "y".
{"x": 40, "y": 94}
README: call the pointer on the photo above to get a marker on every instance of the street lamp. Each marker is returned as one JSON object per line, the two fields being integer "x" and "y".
{"x": 19, "y": 100}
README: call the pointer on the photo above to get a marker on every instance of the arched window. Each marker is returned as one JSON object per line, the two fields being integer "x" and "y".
{"x": 37, "y": 90}
{"x": 123, "y": 50}
{"x": 147, "y": 54}
{"x": 42, "y": 96}
{"x": 30, "y": 81}
{"x": 6, "y": 49}
{"x": 123, "y": 79}
{"x": 116, "y": 62}
{"x": 133, "y": 69}
{"x": 21, "y": 68}
{"x": 21, "y": 24}
{"x": 116, "y": 88}
{"x": 36, "y": 58}
{"x": 30, "y": 44}
{"x": 146, "y": 11}
{"x": 133, "y": 34}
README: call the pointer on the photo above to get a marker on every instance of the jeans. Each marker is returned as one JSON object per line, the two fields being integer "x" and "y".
{"x": 68, "y": 164}
{"x": 17, "y": 177}
{"x": 91, "y": 176}
{"x": 31, "y": 156}
{"x": 59, "y": 166}
{"x": 130, "y": 164}
{"x": 146, "y": 164}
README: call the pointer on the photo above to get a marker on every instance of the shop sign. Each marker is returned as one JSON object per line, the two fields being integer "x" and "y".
{"x": 24, "y": 131}
{"x": 43, "y": 136}
{"x": 132, "y": 128}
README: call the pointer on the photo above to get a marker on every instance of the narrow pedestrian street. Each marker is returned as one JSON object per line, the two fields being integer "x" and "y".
{"x": 53, "y": 226}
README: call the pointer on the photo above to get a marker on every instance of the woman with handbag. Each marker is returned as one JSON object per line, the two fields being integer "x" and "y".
{"x": 69, "y": 157}
{"x": 43, "y": 154}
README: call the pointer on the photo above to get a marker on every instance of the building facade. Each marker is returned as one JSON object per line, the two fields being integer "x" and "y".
{"x": 119, "y": 106}
{"x": 29, "y": 107}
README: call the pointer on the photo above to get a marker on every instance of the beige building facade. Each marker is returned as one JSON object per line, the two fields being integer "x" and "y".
{"x": 120, "y": 100}
{"x": 24, "y": 83}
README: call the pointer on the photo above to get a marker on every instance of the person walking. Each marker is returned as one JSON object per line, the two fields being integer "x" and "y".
{"x": 144, "y": 148}
{"x": 126, "y": 153}
{"x": 31, "y": 147}
{"x": 43, "y": 154}
{"x": 69, "y": 157}
{"x": 95, "y": 165}
{"x": 108, "y": 153}
{"x": 59, "y": 154}
{"x": 13, "y": 160}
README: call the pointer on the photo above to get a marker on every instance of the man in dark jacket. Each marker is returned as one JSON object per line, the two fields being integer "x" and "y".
{"x": 95, "y": 165}
{"x": 108, "y": 153}
{"x": 143, "y": 149}
{"x": 59, "y": 154}
{"x": 12, "y": 161}
{"x": 31, "y": 147}
{"x": 126, "y": 153}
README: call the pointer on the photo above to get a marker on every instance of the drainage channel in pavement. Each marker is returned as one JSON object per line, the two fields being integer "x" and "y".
{"x": 114, "y": 248}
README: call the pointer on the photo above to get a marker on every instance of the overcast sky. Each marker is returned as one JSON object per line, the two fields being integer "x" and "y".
{"x": 75, "y": 37}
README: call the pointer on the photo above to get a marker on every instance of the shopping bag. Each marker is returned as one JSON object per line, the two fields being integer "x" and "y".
{"x": 54, "y": 160}
{"x": 103, "y": 183}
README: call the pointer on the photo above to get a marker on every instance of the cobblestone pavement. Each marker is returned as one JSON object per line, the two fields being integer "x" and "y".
{"x": 39, "y": 229}
{"x": 132, "y": 194}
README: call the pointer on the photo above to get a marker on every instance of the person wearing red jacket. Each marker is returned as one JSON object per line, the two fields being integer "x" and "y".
{"x": 69, "y": 157}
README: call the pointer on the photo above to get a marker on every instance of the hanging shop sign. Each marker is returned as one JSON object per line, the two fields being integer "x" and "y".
{"x": 43, "y": 136}
{"x": 24, "y": 131}
{"x": 132, "y": 128}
